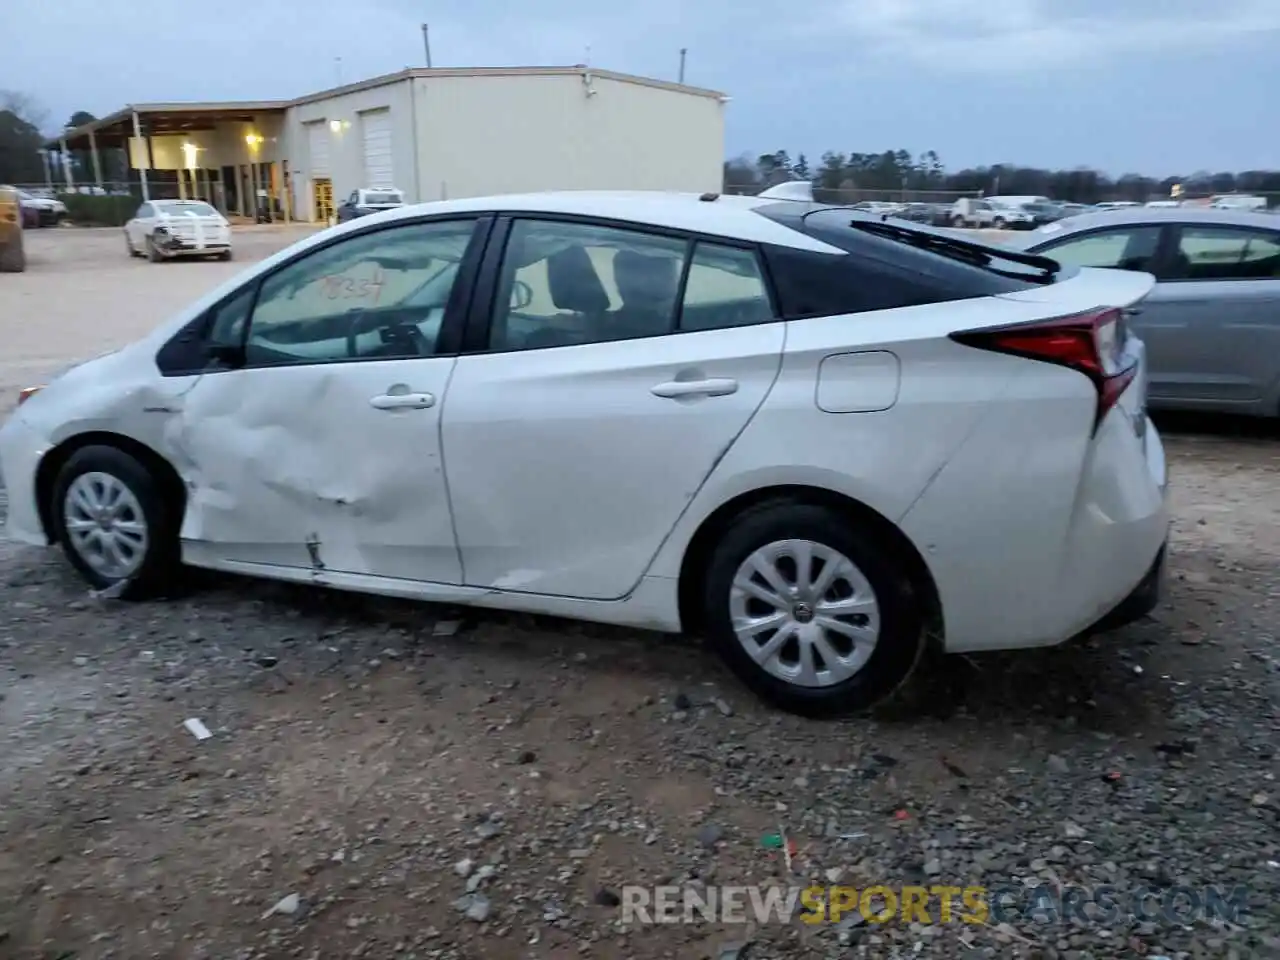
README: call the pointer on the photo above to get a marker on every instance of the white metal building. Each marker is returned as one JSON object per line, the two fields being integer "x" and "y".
{"x": 434, "y": 134}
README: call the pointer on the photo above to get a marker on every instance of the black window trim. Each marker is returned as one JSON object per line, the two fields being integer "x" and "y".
{"x": 475, "y": 339}
{"x": 448, "y": 341}
{"x": 1175, "y": 243}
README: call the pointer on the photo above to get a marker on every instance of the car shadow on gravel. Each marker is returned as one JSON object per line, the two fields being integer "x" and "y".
{"x": 1096, "y": 683}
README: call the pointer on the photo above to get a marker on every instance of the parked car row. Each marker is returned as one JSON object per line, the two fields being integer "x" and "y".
{"x": 1029, "y": 212}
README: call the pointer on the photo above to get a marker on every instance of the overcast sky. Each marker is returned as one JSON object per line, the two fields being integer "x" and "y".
{"x": 1151, "y": 86}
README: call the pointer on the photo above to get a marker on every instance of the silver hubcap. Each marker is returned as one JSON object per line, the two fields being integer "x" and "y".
{"x": 804, "y": 612}
{"x": 105, "y": 524}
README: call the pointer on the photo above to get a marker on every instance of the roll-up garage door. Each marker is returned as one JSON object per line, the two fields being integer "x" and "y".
{"x": 318, "y": 148}
{"x": 375, "y": 130}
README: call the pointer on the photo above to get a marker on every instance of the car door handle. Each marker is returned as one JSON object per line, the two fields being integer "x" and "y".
{"x": 674, "y": 389}
{"x": 403, "y": 401}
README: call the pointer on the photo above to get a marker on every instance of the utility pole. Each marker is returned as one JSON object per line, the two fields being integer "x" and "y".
{"x": 683, "y": 52}
{"x": 426, "y": 44}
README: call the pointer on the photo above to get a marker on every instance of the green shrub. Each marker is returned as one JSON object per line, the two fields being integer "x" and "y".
{"x": 86, "y": 210}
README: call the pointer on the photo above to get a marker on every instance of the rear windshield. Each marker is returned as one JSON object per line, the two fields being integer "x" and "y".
{"x": 372, "y": 198}
{"x": 194, "y": 208}
{"x": 833, "y": 225}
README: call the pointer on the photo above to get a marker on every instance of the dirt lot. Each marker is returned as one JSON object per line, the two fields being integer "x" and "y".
{"x": 381, "y": 772}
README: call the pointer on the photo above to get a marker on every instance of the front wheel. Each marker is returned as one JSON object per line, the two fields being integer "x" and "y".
{"x": 153, "y": 252}
{"x": 811, "y": 613}
{"x": 114, "y": 524}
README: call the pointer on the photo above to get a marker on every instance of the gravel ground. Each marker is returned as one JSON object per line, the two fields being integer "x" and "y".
{"x": 487, "y": 791}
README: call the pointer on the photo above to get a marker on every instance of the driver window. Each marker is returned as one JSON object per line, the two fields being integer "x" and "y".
{"x": 575, "y": 283}
{"x": 376, "y": 296}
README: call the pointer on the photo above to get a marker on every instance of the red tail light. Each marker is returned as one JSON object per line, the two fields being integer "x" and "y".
{"x": 1090, "y": 342}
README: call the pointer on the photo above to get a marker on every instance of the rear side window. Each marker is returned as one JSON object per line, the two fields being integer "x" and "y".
{"x": 874, "y": 273}
{"x": 812, "y": 284}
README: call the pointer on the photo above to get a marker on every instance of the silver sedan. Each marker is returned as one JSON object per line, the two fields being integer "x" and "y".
{"x": 1212, "y": 323}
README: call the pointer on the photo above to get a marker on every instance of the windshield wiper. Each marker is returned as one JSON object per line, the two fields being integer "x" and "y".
{"x": 958, "y": 249}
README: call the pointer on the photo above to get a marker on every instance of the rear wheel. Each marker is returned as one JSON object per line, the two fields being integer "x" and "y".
{"x": 811, "y": 613}
{"x": 957, "y": 221}
{"x": 998, "y": 223}
{"x": 114, "y": 525}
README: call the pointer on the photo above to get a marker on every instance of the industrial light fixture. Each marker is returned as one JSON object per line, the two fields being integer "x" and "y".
{"x": 189, "y": 151}
{"x": 252, "y": 138}
{"x": 335, "y": 125}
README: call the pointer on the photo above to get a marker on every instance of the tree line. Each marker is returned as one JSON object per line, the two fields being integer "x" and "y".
{"x": 896, "y": 173}
{"x": 21, "y": 140}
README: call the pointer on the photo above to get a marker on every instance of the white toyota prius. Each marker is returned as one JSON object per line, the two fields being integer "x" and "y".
{"x": 821, "y": 439}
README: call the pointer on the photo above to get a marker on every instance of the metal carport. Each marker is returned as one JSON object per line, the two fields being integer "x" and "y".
{"x": 227, "y": 153}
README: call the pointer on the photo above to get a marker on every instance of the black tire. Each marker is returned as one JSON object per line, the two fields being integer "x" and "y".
{"x": 901, "y": 641}
{"x": 225, "y": 255}
{"x": 998, "y": 223}
{"x": 153, "y": 252}
{"x": 159, "y": 572}
{"x": 957, "y": 222}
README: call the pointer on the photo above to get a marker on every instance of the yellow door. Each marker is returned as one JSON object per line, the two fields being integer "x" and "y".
{"x": 322, "y": 198}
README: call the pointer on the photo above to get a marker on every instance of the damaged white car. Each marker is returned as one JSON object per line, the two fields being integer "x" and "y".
{"x": 165, "y": 229}
{"x": 822, "y": 439}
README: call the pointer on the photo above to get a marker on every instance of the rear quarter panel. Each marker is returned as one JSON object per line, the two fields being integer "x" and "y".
{"x": 1034, "y": 418}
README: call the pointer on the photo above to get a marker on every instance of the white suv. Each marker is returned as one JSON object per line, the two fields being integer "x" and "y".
{"x": 976, "y": 212}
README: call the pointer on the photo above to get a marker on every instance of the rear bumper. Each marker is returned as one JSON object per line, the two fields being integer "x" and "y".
{"x": 1036, "y": 537}
{"x": 175, "y": 248}
{"x": 173, "y": 245}
{"x": 1144, "y": 598}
